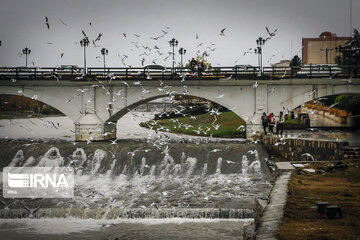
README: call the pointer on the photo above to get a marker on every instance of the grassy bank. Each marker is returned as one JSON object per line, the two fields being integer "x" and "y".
{"x": 226, "y": 125}
{"x": 301, "y": 220}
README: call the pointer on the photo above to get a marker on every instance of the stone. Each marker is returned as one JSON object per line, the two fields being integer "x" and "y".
{"x": 321, "y": 207}
{"x": 333, "y": 211}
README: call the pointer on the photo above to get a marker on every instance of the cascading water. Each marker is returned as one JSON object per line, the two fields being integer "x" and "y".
{"x": 133, "y": 180}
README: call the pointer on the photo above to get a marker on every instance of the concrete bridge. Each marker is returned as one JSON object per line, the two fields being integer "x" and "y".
{"x": 95, "y": 106}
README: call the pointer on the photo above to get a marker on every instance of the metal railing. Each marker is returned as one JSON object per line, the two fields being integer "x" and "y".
{"x": 140, "y": 73}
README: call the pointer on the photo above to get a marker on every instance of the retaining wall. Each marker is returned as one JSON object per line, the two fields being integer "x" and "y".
{"x": 292, "y": 149}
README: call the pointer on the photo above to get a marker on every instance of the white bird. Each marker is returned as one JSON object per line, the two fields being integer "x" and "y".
{"x": 252, "y": 151}
{"x": 348, "y": 80}
{"x": 125, "y": 83}
{"x": 255, "y": 85}
{"x": 332, "y": 75}
{"x": 220, "y": 96}
{"x": 308, "y": 156}
{"x": 231, "y": 162}
{"x": 310, "y": 93}
{"x": 215, "y": 150}
{"x": 333, "y": 105}
{"x": 82, "y": 90}
{"x": 32, "y": 212}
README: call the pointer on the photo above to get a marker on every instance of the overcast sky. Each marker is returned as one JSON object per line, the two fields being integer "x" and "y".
{"x": 22, "y": 23}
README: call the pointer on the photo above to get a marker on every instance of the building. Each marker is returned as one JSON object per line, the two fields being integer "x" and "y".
{"x": 322, "y": 50}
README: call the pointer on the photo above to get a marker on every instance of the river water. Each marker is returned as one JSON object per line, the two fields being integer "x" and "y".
{"x": 146, "y": 186}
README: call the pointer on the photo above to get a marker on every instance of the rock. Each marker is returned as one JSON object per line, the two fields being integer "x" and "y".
{"x": 333, "y": 211}
{"x": 339, "y": 166}
{"x": 320, "y": 171}
{"x": 321, "y": 207}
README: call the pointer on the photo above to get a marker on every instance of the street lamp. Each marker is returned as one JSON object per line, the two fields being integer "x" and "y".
{"x": 84, "y": 43}
{"x": 27, "y": 52}
{"x": 104, "y": 52}
{"x": 173, "y": 43}
{"x": 182, "y": 52}
{"x": 260, "y": 42}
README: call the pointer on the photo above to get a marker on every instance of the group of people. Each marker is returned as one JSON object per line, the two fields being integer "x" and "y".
{"x": 270, "y": 122}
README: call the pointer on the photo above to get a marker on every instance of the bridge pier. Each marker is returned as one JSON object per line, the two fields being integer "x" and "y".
{"x": 253, "y": 131}
{"x": 90, "y": 127}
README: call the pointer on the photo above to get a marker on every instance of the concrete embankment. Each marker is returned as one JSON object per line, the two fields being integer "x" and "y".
{"x": 268, "y": 214}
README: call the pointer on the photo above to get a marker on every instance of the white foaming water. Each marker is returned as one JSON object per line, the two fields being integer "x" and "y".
{"x": 191, "y": 162}
{"x": 256, "y": 166}
{"x": 138, "y": 186}
{"x": 52, "y": 158}
{"x": 80, "y": 155}
{"x": 152, "y": 170}
{"x": 244, "y": 165}
{"x": 109, "y": 172}
{"x": 218, "y": 166}
{"x": 205, "y": 169}
{"x": 29, "y": 162}
{"x": 142, "y": 166}
{"x": 18, "y": 159}
{"x": 99, "y": 155}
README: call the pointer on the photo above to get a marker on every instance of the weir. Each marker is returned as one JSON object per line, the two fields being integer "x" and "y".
{"x": 138, "y": 180}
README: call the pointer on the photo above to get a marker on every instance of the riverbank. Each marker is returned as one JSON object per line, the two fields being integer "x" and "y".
{"x": 301, "y": 218}
{"x": 225, "y": 125}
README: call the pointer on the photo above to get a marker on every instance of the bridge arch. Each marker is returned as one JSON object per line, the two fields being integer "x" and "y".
{"x": 50, "y": 95}
{"x": 119, "y": 114}
{"x": 34, "y": 99}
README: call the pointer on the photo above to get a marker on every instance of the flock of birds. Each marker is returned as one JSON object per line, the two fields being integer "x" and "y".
{"x": 153, "y": 53}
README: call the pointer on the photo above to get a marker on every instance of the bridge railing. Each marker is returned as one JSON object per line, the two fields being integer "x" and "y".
{"x": 141, "y": 73}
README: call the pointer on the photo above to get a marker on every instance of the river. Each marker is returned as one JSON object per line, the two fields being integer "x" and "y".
{"x": 144, "y": 186}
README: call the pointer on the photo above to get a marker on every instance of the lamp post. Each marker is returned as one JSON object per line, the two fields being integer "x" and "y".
{"x": 173, "y": 43}
{"x": 260, "y": 42}
{"x": 84, "y": 43}
{"x": 27, "y": 52}
{"x": 182, "y": 52}
{"x": 338, "y": 50}
{"x": 104, "y": 52}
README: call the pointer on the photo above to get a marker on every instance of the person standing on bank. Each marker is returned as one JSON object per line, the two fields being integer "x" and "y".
{"x": 265, "y": 121}
{"x": 271, "y": 123}
{"x": 280, "y": 124}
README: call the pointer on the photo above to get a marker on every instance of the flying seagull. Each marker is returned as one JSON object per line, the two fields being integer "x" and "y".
{"x": 62, "y": 22}
{"x": 222, "y": 32}
{"x": 32, "y": 212}
{"x": 47, "y": 22}
{"x": 271, "y": 34}
{"x": 98, "y": 37}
